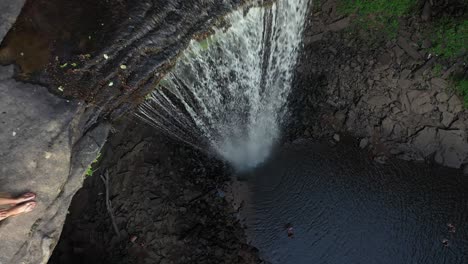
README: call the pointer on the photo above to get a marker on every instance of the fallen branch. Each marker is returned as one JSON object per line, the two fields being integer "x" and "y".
{"x": 105, "y": 180}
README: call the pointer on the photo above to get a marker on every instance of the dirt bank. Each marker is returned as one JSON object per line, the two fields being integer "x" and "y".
{"x": 382, "y": 90}
{"x": 169, "y": 205}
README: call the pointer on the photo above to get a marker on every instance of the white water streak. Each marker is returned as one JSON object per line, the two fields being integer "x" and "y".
{"x": 229, "y": 93}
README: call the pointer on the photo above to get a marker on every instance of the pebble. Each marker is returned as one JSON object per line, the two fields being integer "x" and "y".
{"x": 336, "y": 137}
{"x": 364, "y": 142}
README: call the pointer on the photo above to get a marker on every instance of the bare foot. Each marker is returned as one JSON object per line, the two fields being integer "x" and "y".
{"x": 19, "y": 209}
{"x": 21, "y": 199}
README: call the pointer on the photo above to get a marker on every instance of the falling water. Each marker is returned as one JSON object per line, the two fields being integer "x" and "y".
{"x": 228, "y": 92}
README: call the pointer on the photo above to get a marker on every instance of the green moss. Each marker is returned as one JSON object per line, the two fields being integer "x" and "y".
{"x": 450, "y": 39}
{"x": 90, "y": 171}
{"x": 377, "y": 15}
{"x": 462, "y": 88}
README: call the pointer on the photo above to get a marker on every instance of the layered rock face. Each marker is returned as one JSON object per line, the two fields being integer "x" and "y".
{"x": 386, "y": 94}
{"x": 46, "y": 147}
{"x": 48, "y": 142}
{"x": 141, "y": 49}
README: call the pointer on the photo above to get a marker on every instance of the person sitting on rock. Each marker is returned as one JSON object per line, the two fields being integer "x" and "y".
{"x": 19, "y": 205}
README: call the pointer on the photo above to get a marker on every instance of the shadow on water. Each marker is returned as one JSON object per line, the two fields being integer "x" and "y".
{"x": 340, "y": 207}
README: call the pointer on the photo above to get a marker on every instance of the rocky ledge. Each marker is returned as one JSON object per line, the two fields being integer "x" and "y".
{"x": 384, "y": 93}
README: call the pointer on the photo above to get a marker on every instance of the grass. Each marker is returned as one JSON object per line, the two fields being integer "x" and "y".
{"x": 378, "y": 15}
{"x": 462, "y": 89}
{"x": 450, "y": 39}
{"x": 90, "y": 171}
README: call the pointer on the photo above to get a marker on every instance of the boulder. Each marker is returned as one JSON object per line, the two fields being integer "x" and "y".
{"x": 387, "y": 126}
{"x": 420, "y": 102}
{"x": 455, "y": 105}
{"x": 426, "y": 11}
{"x": 379, "y": 101}
{"x": 453, "y": 151}
{"x": 406, "y": 46}
{"x": 439, "y": 83}
{"x": 442, "y": 97}
{"x": 426, "y": 142}
{"x": 447, "y": 119}
{"x": 405, "y": 84}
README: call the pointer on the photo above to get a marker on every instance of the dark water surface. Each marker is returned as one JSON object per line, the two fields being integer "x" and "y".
{"x": 345, "y": 208}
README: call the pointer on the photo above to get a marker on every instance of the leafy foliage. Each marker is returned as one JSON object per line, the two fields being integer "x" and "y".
{"x": 90, "y": 171}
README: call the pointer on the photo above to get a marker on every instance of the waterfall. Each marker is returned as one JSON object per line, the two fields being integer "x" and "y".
{"x": 228, "y": 93}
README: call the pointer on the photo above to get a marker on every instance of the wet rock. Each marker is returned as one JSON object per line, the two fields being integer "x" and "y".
{"x": 425, "y": 142}
{"x": 453, "y": 150}
{"x": 48, "y": 155}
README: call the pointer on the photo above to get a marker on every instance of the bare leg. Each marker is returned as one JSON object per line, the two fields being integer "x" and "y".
{"x": 19, "y": 209}
{"x": 21, "y": 199}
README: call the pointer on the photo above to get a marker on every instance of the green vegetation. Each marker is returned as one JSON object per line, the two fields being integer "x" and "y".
{"x": 90, "y": 171}
{"x": 450, "y": 38}
{"x": 462, "y": 88}
{"x": 379, "y": 15}
{"x": 316, "y": 5}
{"x": 437, "y": 70}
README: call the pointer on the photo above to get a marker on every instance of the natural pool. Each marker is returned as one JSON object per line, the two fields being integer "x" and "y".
{"x": 345, "y": 208}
